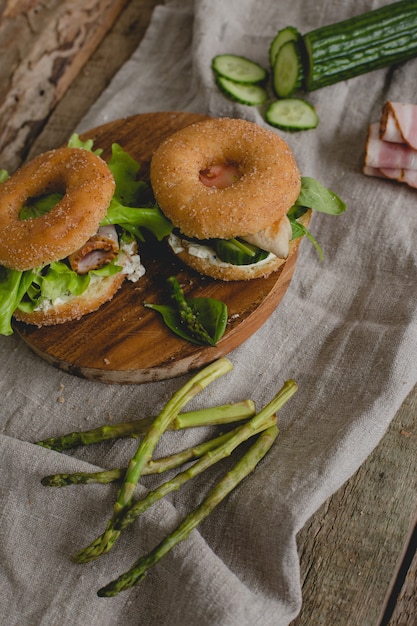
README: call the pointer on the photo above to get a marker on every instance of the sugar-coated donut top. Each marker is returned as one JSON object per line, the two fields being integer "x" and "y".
{"x": 268, "y": 185}
{"x": 88, "y": 187}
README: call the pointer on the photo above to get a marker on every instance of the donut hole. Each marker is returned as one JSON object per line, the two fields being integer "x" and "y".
{"x": 37, "y": 237}
{"x": 39, "y": 205}
{"x": 220, "y": 175}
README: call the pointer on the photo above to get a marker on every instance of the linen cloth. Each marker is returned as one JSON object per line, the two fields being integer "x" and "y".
{"x": 346, "y": 331}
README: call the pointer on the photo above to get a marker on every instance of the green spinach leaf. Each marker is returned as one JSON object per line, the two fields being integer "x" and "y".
{"x": 201, "y": 321}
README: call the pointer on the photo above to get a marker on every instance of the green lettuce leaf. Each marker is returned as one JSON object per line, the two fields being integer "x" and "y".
{"x": 125, "y": 209}
{"x": 4, "y": 175}
{"x": 58, "y": 280}
{"x": 125, "y": 172}
{"x": 133, "y": 219}
{"x": 13, "y": 286}
{"x": 314, "y": 195}
{"x": 75, "y": 142}
{"x": 36, "y": 207}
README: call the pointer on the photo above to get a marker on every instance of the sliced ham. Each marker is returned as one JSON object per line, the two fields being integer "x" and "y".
{"x": 220, "y": 175}
{"x": 99, "y": 250}
{"x": 399, "y": 123}
{"x": 384, "y": 154}
{"x": 408, "y": 177}
{"x": 391, "y": 147}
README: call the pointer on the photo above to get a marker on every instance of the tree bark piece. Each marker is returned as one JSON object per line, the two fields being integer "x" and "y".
{"x": 43, "y": 46}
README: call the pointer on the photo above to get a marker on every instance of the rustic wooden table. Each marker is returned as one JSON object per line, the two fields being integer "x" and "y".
{"x": 358, "y": 552}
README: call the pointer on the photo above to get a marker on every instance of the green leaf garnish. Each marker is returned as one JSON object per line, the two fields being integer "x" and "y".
{"x": 36, "y": 207}
{"x": 133, "y": 219}
{"x": 4, "y": 175}
{"x": 125, "y": 207}
{"x": 13, "y": 286}
{"x": 199, "y": 320}
{"x": 299, "y": 230}
{"x": 75, "y": 142}
{"x": 314, "y": 195}
{"x": 125, "y": 171}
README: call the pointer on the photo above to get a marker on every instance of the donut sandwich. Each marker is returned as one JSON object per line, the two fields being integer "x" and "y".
{"x": 227, "y": 186}
{"x": 61, "y": 262}
{"x": 227, "y": 196}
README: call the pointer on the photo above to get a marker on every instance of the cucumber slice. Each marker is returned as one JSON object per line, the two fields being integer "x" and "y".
{"x": 238, "y": 252}
{"x": 251, "y": 95}
{"x": 288, "y": 70}
{"x": 289, "y": 33}
{"x": 292, "y": 114}
{"x": 238, "y": 68}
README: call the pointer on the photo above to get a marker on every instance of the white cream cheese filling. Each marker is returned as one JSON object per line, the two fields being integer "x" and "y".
{"x": 205, "y": 252}
{"x": 274, "y": 239}
{"x": 128, "y": 260}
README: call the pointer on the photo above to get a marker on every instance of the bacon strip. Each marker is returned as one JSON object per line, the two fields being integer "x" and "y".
{"x": 399, "y": 123}
{"x": 391, "y": 147}
{"x": 384, "y": 154}
{"x": 409, "y": 177}
{"x": 221, "y": 175}
{"x": 99, "y": 250}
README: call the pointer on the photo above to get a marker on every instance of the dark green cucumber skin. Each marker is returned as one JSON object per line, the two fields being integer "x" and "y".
{"x": 229, "y": 253}
{"x": 367, "y": 42}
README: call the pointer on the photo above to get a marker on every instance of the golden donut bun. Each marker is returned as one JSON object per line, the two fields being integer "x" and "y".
{"x": 269, "y": 181}
{"x": 227, "y": 271}
{"x": 74, "y": 308}
{"x": 88, "y": 187}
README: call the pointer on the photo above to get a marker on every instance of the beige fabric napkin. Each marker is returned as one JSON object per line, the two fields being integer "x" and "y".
{"x": 346, "y": 331}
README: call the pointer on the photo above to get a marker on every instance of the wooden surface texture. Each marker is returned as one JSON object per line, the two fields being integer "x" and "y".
{"x": 355, "y": 567}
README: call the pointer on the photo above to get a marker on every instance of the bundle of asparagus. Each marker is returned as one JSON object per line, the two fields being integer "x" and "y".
{"x": 205, "y": 455}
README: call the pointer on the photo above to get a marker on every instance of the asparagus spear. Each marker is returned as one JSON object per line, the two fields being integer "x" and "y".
{"x": 84, "y": 478}
{"x": 223, "y": 414}
{"x": 265, "y": 419}
{"x": 210, "y": 458}
{"x": 242, "y": 469}
{"x": 145, "y": 450}
{"x": 156, "y": 466}
{"x": 186, "y": 313}
{"x": 260, "y": 422}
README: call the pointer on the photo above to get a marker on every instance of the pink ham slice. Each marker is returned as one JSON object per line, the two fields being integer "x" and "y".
{"x": 384, "y": 154}
{"x": 399, "y": 123}
{"x": 402, "y": 176}
{"x": 99, "y": 250}
{"x": 220, "y": 175}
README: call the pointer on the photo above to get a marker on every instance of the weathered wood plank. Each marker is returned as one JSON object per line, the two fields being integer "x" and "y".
{"x": 43, "y": 45}
{"x": 94, "y": 77}
{"x": 350, "y": 548}
{"x": 404, "y": 609}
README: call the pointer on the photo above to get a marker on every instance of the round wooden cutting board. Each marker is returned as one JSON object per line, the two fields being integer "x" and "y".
{"x": 124, "y": 342}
